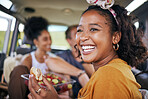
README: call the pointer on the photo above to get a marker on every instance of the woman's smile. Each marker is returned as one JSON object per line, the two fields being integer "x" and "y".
{"x": 48, "y": 47}
{"x": 87, "y": 49}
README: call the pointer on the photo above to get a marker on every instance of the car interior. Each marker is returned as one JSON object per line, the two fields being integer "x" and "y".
{"x": 60, "y": 14}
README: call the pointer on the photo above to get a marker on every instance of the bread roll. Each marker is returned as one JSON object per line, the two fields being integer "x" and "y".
{"x": 37, "y": 73}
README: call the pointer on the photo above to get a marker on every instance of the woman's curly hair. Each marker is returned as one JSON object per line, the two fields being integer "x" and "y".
{"x": 131, "y": 48}
{"x": 34, "y": 26}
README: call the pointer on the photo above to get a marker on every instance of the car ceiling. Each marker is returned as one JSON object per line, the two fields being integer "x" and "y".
{"x": 62, "y": 12}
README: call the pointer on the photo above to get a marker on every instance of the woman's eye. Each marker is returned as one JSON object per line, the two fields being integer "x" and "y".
{"x": 93, "y": 29}
{"x": 79, "y": 30}
{"x": 45, "y": 39}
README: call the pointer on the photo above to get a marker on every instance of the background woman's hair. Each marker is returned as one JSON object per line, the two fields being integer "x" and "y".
{"x": 132, "y": 49}
{"x": 34, "y": 26}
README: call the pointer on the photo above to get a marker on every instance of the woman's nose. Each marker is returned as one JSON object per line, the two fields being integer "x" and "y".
{"x": 49, "y": 42}
{"x": 84, "y": 36}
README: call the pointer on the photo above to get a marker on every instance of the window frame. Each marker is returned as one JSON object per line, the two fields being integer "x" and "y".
{"x": 7, "y": 34}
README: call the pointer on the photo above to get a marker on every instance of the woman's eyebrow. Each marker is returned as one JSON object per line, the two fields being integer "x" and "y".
{"x": 79, "y": 26}
{"x": 95, "y": 24}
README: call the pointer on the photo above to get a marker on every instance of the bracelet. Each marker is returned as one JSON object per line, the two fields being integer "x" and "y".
{"x": 81, "y": 74}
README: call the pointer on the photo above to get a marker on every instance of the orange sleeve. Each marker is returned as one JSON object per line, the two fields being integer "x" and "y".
{"x": 110, "y": 83}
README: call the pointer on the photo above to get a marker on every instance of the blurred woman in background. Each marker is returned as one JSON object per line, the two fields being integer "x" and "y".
{"x": 36, "y": 31}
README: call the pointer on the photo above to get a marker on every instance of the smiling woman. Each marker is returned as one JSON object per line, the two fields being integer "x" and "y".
{"x": 99, "y": 29}
{"x": 122, "y": 41}
{"x": 107, "y": 38}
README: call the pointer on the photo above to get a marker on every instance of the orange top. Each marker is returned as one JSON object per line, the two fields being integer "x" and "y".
{"x": 112, "y": 81}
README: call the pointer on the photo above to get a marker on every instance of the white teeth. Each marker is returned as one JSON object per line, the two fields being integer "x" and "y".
{"x": 88, "y": 47}
{"x": 88, "y": 50}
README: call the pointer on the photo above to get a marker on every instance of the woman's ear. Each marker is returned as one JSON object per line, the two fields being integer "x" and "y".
{"x": 116, "y": 37}
{"x": 35, "y": 42}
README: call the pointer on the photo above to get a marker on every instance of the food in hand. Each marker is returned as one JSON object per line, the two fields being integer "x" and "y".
{"x": 60, "y": 84}
{"x": 37, "y": 73}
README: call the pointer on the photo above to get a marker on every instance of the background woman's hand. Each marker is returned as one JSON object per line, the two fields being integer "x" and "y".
{"x": 48, "y": 93}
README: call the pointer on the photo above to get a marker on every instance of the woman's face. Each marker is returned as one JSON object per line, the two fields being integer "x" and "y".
{"x": 44, "y": 41}
{"x": 93, "y": 37}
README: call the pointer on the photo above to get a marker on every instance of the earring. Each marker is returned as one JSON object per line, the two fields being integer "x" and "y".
{"x": 36, "y": 46}
{"x": 116, "y": 47}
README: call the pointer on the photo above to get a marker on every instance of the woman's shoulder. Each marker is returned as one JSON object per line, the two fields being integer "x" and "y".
{"x": 117, "y": 66}
{"x": 108, "y": 73}
{"x": 113, "y": 73}
{"x": 27, "y": 57}
{"x": 27, "y": 61}
{"x": 108, "y": 70}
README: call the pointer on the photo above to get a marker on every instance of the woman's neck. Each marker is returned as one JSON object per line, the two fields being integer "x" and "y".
{"x": 39, "y": 55}
{"x": 105, "y": 61}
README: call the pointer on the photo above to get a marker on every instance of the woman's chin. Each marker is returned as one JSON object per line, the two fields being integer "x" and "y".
{"x": 48, "y": 50}
{"x": 87, "y": 60}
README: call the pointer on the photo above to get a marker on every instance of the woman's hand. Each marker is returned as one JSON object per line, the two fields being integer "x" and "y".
{"x": 40, "y": 93}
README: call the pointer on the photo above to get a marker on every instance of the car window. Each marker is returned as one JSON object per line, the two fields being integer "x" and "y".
{"x": 3, "y": 29}
{"x": 6, "y": 29}
{"x": 57, "y": 33}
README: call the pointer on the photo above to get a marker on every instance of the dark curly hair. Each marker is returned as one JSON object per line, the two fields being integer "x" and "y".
{"x": 132, "y": 49}
{"x": 34, "y": 26}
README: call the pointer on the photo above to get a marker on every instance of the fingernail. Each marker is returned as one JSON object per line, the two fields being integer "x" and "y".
{"x": 43, "y": 75}
{"x": 30, "y": 75}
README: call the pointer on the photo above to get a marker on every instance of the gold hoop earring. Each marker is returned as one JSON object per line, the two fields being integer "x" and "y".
{"x": 116, "y": 47}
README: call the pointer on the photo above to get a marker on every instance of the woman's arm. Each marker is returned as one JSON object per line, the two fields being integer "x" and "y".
{"x": 59, "y": 65}
{"x": 27, "y": 61}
